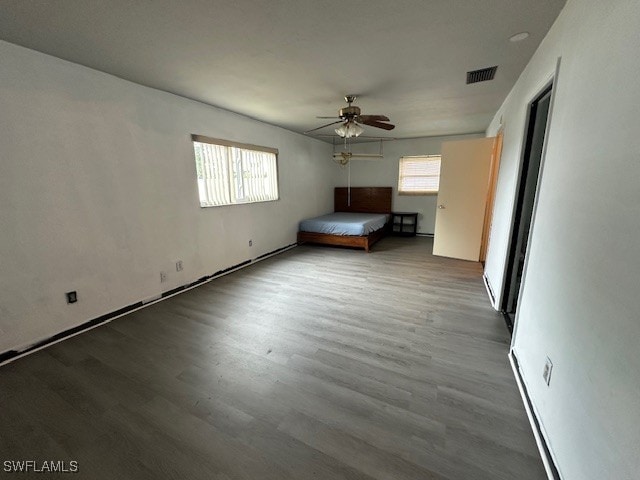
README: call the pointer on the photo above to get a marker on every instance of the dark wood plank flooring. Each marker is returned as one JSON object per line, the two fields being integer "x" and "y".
{"x": 320, "y": 363}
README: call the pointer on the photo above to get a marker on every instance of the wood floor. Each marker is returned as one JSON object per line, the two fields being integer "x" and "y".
{"x": 319, "y": 363}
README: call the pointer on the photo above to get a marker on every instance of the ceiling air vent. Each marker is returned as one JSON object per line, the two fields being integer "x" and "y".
{"x": 481, "y": 75}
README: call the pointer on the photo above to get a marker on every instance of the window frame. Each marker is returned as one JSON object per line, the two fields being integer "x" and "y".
{"x": 428, "y": 158}
{"x": 242, "y": 146}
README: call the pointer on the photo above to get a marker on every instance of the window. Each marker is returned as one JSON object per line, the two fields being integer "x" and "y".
{"x": 419, "y": 175}
{"x": 230, "y": 173}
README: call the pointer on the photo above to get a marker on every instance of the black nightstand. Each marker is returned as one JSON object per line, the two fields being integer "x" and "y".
{"x": 404, "y": 224}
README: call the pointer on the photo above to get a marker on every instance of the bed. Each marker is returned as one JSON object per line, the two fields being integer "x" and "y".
{"x": 361, "y": 218}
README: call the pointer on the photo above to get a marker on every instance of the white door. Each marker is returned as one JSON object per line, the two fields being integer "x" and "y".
{"x": 462, "y": 198}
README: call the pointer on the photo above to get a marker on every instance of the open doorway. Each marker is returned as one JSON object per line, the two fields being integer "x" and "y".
{"x": 525, "y": 200}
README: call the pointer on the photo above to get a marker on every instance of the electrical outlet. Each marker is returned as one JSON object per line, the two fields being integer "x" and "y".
{"x": 163, "y": 277}
{"x": 179, "y": 266}
{"x": 72, "y": 297}
{"x": 251, "y": 243}
{"x": 546, "y": 373}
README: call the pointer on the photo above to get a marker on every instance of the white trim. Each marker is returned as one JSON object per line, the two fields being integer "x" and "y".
{"x": 550, "y": 79}
{"x": 553, "y": 82}
{"x": 538, "y": 430}
{"x": 492, "y": 298}
{"x": 231, "y": 143}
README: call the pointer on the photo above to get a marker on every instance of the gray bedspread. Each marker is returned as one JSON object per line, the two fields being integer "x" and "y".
{"x": 345, "y": 223}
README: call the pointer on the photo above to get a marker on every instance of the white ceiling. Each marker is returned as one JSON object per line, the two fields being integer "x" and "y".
{"x": 286, "y": 61}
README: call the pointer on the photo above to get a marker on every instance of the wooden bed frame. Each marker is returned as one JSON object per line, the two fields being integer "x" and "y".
{"x": 363, "y": 200}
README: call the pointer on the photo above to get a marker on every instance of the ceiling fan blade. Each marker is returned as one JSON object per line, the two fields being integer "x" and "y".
{"x": 329, "y": 117}
{"x": 374, "y": 118}
{"x": 322, "y": 126}
{"x": 384, "y": 126}
{"x": 360, "y": 155}
{"x": 359, "y": 137}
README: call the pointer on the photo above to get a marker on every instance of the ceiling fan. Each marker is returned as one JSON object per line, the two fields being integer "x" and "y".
{"x": 351, "y": 120}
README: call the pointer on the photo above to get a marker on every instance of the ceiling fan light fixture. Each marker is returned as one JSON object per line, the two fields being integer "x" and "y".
{"x": 349, "y": 129}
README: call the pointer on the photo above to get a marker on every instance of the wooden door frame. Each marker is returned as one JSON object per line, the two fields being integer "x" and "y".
{"x": 491, "y": 192}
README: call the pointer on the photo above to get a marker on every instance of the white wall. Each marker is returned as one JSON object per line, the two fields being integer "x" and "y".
{"x": 384, "y": 173}
{"x": 580, "y": 298}
{"x": 98, "y": 193}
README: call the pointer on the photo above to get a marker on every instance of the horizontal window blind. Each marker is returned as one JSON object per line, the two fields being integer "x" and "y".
{"x": 229, "y": 174}
{"x": 419, "y": 175}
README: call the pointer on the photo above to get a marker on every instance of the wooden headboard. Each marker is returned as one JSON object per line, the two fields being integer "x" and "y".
{"x": 363, "y": 199}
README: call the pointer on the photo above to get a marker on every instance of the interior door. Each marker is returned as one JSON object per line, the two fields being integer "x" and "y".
{"x": 462, "y": 198}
